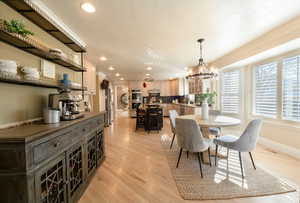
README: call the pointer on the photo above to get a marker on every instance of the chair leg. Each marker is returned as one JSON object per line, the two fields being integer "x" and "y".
{"x": 201, "y": 153}
{"x": 252, "y": 161}
{"x": 172, "y": 140}
{"x": 241, "y": 164}
{"x": 200, "y": 165}
{"x": 209, "y": 156}
{"x": 216, "y": 157}
{"x": 187, "y": 154}
{"x": 180, "y": 152}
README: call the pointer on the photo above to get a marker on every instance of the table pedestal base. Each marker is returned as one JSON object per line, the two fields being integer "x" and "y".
{"x": 206, "y": 134}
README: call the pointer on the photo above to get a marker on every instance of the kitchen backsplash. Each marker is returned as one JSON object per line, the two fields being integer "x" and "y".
{"x": 169, "y": 99}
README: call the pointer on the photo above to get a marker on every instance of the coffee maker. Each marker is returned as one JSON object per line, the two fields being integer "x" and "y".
{"x": 66, "y": 103}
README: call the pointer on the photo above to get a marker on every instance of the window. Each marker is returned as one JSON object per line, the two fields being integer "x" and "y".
{"x": 230, "y": 94}
{"x": 290, "y": 89}
{"x": 265, "y": 90}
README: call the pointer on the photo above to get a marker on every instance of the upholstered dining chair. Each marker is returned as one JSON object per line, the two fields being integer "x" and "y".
{"x": 216, "y": 131}
{"x": 189, "y": 137}
{"x": 245, "y": 143}
{"x": 172, "y": 116}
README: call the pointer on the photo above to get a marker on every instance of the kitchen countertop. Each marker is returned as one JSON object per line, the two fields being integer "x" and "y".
{"x": 187, "y": 105}
{"x": 31, "y": 132}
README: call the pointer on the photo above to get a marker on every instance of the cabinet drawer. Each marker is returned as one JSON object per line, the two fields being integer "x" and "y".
{"x": 98, "y": 122}
{"x": 51, "y": 147}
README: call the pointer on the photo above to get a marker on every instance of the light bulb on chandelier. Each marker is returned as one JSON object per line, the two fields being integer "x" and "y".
{"x": 202, "y": 71}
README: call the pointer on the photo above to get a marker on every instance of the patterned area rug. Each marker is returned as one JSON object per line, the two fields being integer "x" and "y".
{"x": 225, "y": 181}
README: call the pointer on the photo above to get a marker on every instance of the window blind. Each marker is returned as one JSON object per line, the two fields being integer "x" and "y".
{"x": 265, "y": 100}
{"x": 230, "y": 94}
{"x": 291, "y": 88}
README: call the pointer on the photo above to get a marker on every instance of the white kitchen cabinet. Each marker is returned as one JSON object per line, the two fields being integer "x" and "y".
{"x": 89, "y": 78}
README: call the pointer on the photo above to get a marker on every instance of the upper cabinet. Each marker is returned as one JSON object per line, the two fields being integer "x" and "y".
{"x": 176, "y": 87}
{"x": 195, "y": 86}
{"x": 198, "y": 86}
{"x": 165, "y": 89}
{"x": 90, "y": 78}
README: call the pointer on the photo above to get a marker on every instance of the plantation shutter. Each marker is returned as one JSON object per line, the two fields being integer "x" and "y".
{"x": 266, "y": 90}
{"x": 230, "y": 93}
{"x": 291, "y": 88}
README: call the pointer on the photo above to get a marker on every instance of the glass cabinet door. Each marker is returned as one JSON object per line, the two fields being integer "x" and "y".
{"x": 100, "y": 147}
{"x": 91, "y": 155}
{"x": 75, "y": 171}
{"x": 51, "y": 182}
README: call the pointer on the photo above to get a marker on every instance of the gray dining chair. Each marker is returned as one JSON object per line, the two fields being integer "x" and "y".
{"x": 245, "y": 143}
{"x": 189, "y": 137}
{"x": 172, "y": 116}
{"x": 215, "y": 130}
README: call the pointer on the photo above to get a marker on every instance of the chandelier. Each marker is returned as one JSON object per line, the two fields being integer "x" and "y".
{"x": 202, "y": 70}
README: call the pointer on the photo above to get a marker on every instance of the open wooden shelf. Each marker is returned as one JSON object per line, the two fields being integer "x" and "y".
{"x": 36, "y": 84}
{"x": 31, "y": 46}
{"x": 34, "y": 15}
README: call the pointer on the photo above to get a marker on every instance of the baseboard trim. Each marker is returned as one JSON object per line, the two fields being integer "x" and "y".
{"x": 278, "y": 147}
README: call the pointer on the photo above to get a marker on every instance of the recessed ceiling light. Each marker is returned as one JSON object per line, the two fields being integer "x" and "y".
{"x": 121, "y": 78}
{"x": 149, "y": 68}
{"x": 103, "y": 58}
{"x": 117, "y": 74}
{"x": 147, "y": 74}
{"x": 88, "y": 7}
{"x": 111, "y": 68}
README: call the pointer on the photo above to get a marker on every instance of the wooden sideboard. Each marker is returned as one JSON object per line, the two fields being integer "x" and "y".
{"x": 50, "y": 163}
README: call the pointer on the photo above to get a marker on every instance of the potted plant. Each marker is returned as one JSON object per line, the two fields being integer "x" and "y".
{"x": 209, "y": 97}
{"x": 16, "y": 26}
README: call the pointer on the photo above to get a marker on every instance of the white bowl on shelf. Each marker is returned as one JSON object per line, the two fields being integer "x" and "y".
{"x": 10, "y": 70}
{"x": 31, "y": 78}
{"x": 29, "y": 70}
{"x": 8, "y": 75}
{"x": 8, "y": 63}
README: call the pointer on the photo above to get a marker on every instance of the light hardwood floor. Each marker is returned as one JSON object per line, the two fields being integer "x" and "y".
{"x": 136, "y": 169}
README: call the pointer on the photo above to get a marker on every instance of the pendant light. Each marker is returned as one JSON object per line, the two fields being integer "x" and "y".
{"x": 202, "y": 71}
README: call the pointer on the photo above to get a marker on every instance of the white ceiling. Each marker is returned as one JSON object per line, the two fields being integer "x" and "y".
{"x": 134, "y": 34}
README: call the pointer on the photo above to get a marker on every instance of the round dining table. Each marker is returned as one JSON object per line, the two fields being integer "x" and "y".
{"x": 213, "y": 121}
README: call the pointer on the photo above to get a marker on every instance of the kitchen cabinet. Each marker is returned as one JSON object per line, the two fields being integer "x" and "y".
{"x": 165, "y": 89}
{"x": 75, "y": 169}
{"x": 89, "y": 78}
{"x": 175, "y": 87}
{"x": 178, "y": 87}
{"x": 91, "y": 155}
{"x": 195, "y": 86}
{"x": 54, "y": 163}
{"x": 51, "y": 182}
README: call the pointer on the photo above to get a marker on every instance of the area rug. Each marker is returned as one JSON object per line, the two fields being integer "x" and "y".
{"x": 224, "y": 181}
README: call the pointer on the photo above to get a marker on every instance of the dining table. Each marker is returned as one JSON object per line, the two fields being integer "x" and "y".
{"x": 213, "y": 121}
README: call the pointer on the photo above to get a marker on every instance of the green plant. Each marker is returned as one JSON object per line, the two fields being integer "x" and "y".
{"x": 17, "y": 26}
{"x": 209, "y": 96}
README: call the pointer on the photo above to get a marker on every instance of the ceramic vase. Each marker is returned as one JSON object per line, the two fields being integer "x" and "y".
{"x": 205, "y": 110}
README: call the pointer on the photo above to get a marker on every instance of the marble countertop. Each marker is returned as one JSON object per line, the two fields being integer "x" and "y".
{"x": 30, "y": 132}
{"x": 187, "y": 105}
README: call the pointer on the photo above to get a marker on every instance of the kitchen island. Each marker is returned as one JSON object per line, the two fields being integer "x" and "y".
{"x": 181, "y": 108}
{"x": 50, "y": 163}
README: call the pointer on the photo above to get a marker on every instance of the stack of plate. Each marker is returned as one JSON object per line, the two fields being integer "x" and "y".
{"x": 30, "y": 73}
{"x": 8, "y": 69}
{"x": 58, "y": 52}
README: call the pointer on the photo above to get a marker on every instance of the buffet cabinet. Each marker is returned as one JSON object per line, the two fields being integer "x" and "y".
{"x": 55, "y": 168}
